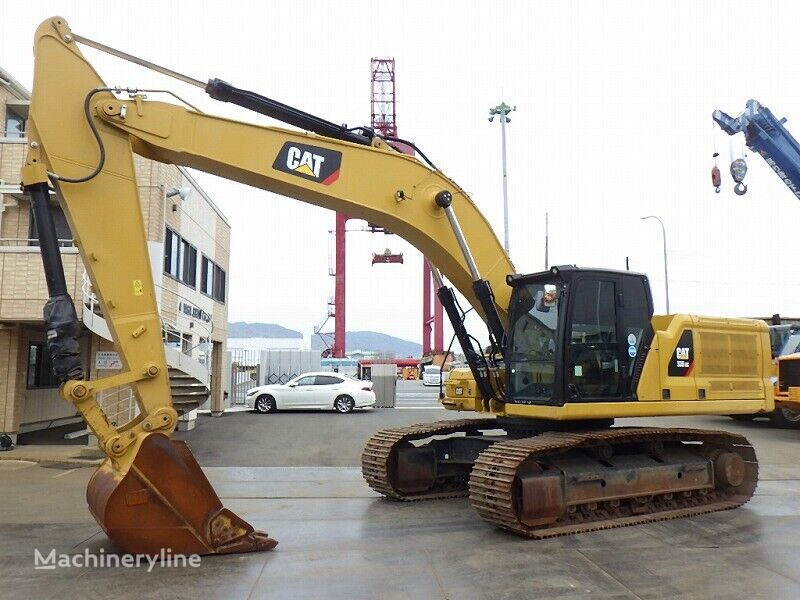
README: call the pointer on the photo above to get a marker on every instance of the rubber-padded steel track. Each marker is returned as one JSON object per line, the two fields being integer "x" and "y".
{"x": 376, "y": 460}
{"x": 492, "y": 482}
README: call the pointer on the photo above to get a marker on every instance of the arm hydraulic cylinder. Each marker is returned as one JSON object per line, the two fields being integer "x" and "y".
{"x": 61, "y": 320}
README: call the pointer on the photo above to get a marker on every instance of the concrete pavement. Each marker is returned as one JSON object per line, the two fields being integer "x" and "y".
{"x": 295, "y": 475}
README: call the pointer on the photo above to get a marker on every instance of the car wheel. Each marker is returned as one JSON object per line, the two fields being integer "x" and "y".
{"x": 785, "y": 418}
{"x": 265, "y": 404}
{"x": 343, "y": 404}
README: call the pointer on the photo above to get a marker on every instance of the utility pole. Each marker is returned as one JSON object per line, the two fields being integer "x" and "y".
{"x": 502, "y": 111}
{"x": 546, "y": 240}
{"x": 664, "y": 237}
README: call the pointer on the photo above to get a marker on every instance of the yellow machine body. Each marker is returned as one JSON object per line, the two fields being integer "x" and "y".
{"x": 731, "y": 374}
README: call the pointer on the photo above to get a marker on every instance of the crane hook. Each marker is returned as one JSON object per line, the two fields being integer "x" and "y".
{"x": 738, "y": 171}
{"x": 716, "y": 178}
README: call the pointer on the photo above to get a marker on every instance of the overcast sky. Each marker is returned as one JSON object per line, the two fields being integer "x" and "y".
{"x": 613, "y": 123}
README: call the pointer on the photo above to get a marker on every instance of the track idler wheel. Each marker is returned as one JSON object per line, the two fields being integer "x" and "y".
{"x": 729, "y": 470}
{"x": 165, "y": 501}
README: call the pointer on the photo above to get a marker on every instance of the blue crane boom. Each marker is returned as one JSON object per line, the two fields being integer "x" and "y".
{"x": 765, "y": 134}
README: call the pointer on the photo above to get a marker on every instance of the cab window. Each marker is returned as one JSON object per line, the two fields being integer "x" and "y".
{"x": 533, "y": 323}
{"x": 305, "y": 380}
{"x": 593, "y": 361}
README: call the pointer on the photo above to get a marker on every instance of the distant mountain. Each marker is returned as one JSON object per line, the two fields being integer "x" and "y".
{"x": 356, "y": 340}
{"x": 240, "y": 329}
{"x": 377, "y": 342}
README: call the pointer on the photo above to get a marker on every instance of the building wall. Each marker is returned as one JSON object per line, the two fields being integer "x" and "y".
{"x": 197, "y": 221}
{"x": 6, "y": 94}
{"x": 23, "y": 290}
{"x": 13, "y": 153}
{"x": 10, "y": 364}
{"x": 44, "y": 404}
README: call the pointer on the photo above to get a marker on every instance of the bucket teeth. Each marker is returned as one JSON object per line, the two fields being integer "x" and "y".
{"x": 164, "y": 501}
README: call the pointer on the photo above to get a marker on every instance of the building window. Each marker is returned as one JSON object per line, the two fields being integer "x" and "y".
{"x": 180, "y": 258}
{"x": 40, "y": 369}
{"x": 188, "y": 264}
{"x": 172, "y": 253}
{"x": 207, "y": 281}
{"x": 15, "y": 125}
{"x": 219, "y": 284}
{"x": 213, "y": 280}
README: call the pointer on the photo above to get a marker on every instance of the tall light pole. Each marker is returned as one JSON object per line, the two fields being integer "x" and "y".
{"x": 502, "y": 111}
{"x": 664, "y": 234}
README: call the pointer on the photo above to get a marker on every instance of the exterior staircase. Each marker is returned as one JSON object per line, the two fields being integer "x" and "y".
{"x": 188, "y": 393}
{"x": 189, "y": 378}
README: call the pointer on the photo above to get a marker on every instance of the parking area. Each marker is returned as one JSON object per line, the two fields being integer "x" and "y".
{"x": 338, "y": 539}
{"x": 412, "y": 394}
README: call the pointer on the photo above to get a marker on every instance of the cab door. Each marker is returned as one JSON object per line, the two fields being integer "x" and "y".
{"x": 594, "y": 367}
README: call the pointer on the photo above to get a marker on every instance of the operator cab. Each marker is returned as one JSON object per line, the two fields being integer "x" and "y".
{"x": 575, "y": 335}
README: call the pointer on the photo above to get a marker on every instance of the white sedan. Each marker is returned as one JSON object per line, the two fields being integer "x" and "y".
{"x": 323, "y": 390}
{"x": 433, "y": 375}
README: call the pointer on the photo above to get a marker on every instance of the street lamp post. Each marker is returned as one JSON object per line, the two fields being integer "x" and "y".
{"x": 664, "y": 237}
{"x": 502, "y": 110}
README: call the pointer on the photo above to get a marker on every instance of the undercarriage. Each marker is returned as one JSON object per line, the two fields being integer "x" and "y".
{"x": 563, "y": 482}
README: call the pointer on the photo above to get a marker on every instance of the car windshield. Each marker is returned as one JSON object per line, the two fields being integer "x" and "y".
{"x": 432, "y": 370}
{"x": 533, "y": 324}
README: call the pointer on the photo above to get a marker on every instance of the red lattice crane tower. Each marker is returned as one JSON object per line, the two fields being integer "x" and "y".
{"x": 384, "y": 121}
{"x": 384, "y": 113}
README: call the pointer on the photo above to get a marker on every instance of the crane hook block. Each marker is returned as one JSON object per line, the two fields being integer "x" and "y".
{"x": 716, "y": 178}
{"x": 738, "y": 171}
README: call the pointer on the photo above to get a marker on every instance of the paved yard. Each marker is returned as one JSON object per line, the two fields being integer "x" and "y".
{"x": 294, "y": 476}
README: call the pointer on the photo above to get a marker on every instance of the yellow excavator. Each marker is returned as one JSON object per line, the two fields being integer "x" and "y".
{"x": 571, "y": 349}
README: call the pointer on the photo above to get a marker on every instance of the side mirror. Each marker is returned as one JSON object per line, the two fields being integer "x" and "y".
{"x": 292, "y": 384}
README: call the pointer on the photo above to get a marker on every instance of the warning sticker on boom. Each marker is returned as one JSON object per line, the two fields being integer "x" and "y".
{"x": 682, "y": 361}
{"x": 309, "y": 162}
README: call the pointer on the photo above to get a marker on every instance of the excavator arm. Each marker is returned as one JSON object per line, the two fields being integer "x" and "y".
{"x": 150, "y": 493}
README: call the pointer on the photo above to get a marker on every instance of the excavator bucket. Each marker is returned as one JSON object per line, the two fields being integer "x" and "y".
{"x": 165, "y": 502}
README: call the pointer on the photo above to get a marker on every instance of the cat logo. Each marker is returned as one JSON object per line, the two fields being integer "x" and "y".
{"x": 304, "y": 162}
{"x": 682, "y": 363}
{"x": 309, "y": 162}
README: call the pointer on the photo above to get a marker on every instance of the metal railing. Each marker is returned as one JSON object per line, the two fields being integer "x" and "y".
{"x": 34, "y": 242}
{"x": 206, "y": 327}
{"x": 119, "y": 405}
{"x": 122, "y": 402}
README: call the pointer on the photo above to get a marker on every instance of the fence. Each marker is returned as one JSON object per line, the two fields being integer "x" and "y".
{"x": 245, "y": 369}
